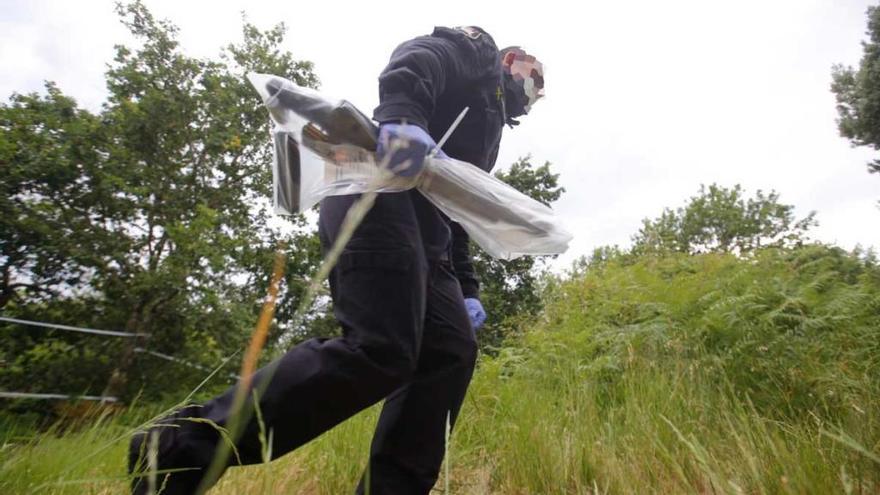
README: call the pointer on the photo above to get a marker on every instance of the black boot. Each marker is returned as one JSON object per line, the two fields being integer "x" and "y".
{"x": 175, "y": 435}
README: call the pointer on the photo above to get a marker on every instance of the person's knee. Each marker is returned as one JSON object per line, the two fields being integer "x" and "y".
{"x": 396, "y": 360}
{"x": 380, "y": 303}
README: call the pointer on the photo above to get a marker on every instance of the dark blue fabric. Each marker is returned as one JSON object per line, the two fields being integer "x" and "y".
{"x": 428, "y": 82}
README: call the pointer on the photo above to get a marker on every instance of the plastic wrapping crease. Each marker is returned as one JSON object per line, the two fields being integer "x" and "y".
{"x": 326, "y": 147}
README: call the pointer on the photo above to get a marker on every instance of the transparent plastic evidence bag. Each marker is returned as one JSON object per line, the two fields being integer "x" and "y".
{"x": 326, "y": 147}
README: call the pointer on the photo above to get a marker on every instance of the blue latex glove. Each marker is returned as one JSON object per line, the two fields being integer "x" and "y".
{"x": 475, "y": 311}
{"x": 415, "y": 146}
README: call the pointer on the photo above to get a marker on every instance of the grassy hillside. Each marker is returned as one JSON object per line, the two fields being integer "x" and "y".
{"x": 678, "y": 374}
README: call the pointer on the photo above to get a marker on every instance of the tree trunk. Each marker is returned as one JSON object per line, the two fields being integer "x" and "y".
{"x": 119, "y": 377}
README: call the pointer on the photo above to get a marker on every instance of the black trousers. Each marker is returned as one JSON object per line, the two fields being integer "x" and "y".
{"x": 406, "y": 338}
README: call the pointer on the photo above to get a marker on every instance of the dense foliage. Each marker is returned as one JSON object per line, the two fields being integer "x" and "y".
{"x": 511, "y": 290}
{"x": 723, "y": 353}
{"x": 721, "y": 219}
{"x": 149, "y": 217}
{"x": 679, "y": 373}
{"x": 858, "y": 93}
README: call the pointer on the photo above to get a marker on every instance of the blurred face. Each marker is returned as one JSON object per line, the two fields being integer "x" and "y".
{"x": 528, "y": 73}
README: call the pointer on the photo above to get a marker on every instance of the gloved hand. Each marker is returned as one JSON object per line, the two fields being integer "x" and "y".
{"x": 475, "y": 311}
{"x": 415, "y": 144}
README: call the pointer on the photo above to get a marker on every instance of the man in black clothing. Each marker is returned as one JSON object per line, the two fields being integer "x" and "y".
{"x": 404, "y": 288}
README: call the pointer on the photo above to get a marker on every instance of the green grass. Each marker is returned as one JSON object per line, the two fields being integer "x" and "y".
{"x": 680, "y": 374}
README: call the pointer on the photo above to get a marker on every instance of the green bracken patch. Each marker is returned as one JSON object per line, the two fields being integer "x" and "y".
{"x": 661, "y": 374}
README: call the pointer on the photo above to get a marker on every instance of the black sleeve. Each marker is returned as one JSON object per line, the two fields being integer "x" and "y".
{"x": 461, "y": 262}
{"x": 419, "y": 72}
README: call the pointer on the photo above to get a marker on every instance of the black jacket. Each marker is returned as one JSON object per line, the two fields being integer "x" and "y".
{"x": 428, "y": 81}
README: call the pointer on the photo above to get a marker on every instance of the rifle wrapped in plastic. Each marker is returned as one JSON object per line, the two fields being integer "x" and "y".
{"x": 326, "y": 147}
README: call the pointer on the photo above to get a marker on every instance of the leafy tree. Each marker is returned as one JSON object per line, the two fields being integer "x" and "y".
{"x": 719, "y": 219}
{"x": 858, "y": 93}
{"x": 510, "y": 290}
{"x": 153, "y": 214}
{"x": 600, "y": 257}
{"x": 152, "y": 217}
{"x": 53, "y": 198}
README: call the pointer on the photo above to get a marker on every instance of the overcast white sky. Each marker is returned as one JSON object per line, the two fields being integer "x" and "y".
{"x": 645, "y": 100}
